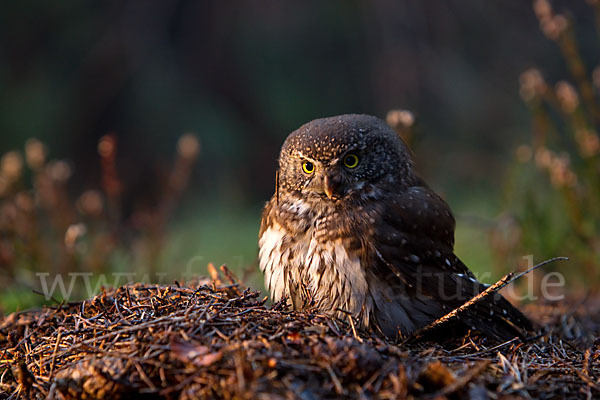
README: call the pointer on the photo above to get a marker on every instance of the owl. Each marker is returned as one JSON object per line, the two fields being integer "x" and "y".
{"x": 353, "y": 230}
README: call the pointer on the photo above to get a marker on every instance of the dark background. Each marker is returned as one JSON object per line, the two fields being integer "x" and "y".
{"x": 243, "y": 74}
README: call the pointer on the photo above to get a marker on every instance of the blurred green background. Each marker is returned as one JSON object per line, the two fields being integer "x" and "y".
{"x": 109, "y": 88}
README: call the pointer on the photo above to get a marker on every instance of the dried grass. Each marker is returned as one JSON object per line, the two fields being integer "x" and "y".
{"x": 215, "y": 340}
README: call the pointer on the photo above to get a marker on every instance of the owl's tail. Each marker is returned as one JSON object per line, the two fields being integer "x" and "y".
{"x": 497, "y": 318}
{"x": 488, "y": 313}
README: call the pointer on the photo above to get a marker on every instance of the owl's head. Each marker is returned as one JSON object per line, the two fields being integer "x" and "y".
{"x": 331, "y": 158}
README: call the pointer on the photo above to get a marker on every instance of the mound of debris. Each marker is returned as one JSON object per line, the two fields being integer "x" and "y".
{"x": 220, "y": 341}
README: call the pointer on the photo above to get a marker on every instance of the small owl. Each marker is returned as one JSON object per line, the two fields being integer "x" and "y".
{"x": 352, "y": 230}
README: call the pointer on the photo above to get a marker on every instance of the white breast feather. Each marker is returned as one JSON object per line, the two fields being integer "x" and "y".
{"x": 318, "y": 265}
{"x": 270, "y": 260}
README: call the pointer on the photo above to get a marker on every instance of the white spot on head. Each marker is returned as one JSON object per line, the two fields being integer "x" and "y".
{"x": 359, "y": 185}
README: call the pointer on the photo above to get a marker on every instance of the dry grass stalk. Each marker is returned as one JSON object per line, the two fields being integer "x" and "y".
{"x": 222, "y": 341}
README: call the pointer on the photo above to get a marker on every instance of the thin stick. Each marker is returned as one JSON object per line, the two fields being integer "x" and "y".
{"x": 354, "y": 330}
{"x": 277, "y": 186}
{"x": 58, "y": 339}
{"x": 482, "y": 352}
{"x": 507, "y": 279}
{"x": 336, "y": 382}
{"x": 465, "y": 379}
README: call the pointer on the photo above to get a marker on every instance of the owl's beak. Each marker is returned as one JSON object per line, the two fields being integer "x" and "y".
{"x": 330, "y": 186}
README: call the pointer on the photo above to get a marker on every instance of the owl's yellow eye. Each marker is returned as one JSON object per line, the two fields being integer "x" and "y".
{"x": 308, "y": 167}
{"x": 350, "y": 160}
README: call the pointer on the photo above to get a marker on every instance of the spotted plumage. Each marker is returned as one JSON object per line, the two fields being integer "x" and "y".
{"x": 352, "y": 229}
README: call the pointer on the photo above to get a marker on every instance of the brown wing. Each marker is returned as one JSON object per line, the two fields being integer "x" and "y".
{"x": 265, "y": 220}
{"x": 414, "y": 240}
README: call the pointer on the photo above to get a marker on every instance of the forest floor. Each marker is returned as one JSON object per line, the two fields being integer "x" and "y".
{"x": 217, "y": 340}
